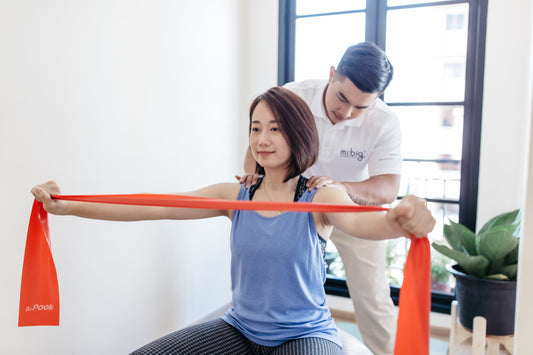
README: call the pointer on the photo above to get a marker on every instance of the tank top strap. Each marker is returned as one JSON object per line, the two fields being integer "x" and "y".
{"x": 300, "y": 188}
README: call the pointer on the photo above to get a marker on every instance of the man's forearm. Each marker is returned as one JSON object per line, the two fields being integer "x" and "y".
{"x": 377, "y": 190}
{"x": 363, "y": 202}
{"x": 249, "y": 162}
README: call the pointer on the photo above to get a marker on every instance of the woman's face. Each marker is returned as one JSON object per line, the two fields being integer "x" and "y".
{"x": 267, "y": 144}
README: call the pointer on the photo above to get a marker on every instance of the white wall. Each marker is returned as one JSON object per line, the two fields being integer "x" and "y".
{"x": 259, "y": 68}
{"x": 117, "y": 96}
{"x": 505, "y": 177}
{"x": 507, "y": 136}
{"x": 505, "y": 149}
{"x": 524, "y": 315}
{"x": 505, "y": 106}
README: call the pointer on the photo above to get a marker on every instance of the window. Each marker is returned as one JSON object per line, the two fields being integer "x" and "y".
{"x": 455, "y": 21}
{"x": 437, "y": 50}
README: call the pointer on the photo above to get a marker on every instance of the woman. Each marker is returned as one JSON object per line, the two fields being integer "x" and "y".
{"x": 277, "y": 266}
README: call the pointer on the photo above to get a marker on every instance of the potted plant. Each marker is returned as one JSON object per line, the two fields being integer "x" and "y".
{"x": 485, "y": 273}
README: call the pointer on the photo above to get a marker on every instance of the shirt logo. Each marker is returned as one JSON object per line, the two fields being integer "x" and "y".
{"x": 356, "y": 154}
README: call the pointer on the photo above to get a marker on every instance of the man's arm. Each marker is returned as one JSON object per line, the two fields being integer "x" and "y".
{"x": 411, "y": 216}
{"x": 249, "y": 162}
{"x": 249, "y": 177}
{"x": 377, "y": 190}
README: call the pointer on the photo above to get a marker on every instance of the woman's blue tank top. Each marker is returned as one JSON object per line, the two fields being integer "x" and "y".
{"x": 278, "y": 274}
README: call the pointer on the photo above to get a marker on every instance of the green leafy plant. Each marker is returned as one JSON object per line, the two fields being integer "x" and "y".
{"x": 439, "y": 273}
{"x": 492, "y": 253}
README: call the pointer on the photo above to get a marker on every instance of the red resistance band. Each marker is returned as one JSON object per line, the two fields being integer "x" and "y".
{"x": 39, "y": 294}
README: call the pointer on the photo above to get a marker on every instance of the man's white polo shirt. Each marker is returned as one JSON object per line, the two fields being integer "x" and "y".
{"x": 355, "y": 149}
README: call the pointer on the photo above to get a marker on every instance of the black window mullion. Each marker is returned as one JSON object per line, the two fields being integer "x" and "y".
{"x": 477, "y": 23}
{"x": 381, "y": 24}
{"x": 426, "y": 4}
{"x": 428, "y": 103}
{"x": 286, "y": 41}
{"x": 371, "y": 24}
{"x": 376, "y": 24}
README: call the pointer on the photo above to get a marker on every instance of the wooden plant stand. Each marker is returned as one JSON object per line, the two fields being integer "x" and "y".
{"x": 480, "y": 341}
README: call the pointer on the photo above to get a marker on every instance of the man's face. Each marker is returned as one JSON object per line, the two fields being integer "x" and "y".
{"x": 344, "y": 101}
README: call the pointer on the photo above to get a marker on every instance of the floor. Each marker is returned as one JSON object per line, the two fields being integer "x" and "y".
{"x": 437, "y": 346}
{"x": 342, "y": 311}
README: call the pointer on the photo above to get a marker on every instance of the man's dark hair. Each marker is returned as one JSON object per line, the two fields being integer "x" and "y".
{"x": 367, "y": 66}
{"x": 297, "y": 125}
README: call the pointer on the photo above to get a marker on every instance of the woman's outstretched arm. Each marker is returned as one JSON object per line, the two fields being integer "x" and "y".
{"x": 410, "y": 217}
{"x": 113, "y": 212}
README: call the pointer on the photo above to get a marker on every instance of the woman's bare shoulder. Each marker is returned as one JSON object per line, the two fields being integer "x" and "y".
{"x": 224, "y": 191}
{"x": 332, "y": 194}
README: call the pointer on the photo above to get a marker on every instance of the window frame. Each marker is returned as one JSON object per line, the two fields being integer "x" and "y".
{"x": 376, "y": 16}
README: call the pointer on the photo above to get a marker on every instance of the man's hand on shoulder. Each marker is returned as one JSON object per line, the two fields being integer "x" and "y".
{"x": 316, "y": 182}
{"x": 248, "y": 179}
{"x": 375, "y": 191}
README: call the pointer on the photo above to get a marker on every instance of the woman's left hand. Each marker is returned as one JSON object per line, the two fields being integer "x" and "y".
{"x": 411, "y": 217}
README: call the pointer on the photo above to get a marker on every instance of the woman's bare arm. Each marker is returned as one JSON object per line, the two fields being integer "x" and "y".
{"x": 115, "y": 212}
{"x": 410, "y": 217}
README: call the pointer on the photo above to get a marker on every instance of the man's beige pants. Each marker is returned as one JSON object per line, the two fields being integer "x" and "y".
{"x": 365, "y": 264}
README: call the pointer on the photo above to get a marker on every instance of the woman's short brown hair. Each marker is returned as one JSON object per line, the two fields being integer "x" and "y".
{"x": 297, "y": 126}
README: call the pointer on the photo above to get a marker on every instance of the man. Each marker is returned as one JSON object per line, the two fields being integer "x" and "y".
{"x": 359, "y": 152}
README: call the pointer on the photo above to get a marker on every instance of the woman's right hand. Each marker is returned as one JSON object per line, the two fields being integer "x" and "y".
{"x": 43, "y": 194}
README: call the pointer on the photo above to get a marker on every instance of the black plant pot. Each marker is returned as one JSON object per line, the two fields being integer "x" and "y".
{"x": 494, "y": 300}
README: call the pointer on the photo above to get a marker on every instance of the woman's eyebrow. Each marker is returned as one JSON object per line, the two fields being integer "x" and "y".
{"x": 271, "y": 121}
